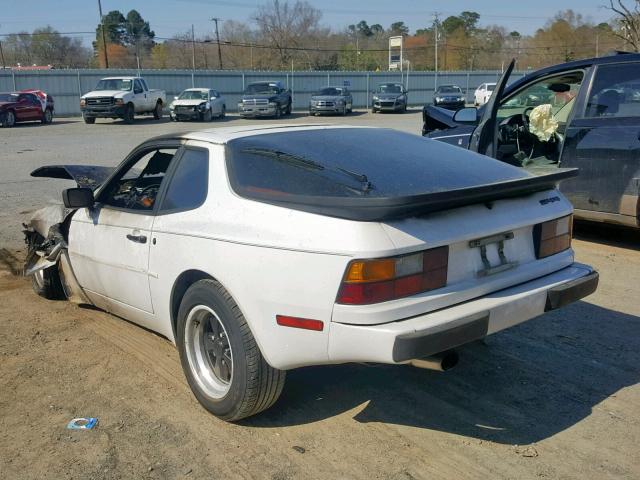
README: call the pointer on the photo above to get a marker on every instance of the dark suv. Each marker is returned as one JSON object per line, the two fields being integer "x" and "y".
{"x": 583, "y": 114}
{"x": 265, "y": 99}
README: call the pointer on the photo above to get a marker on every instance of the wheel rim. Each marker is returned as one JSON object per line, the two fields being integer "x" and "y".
{"x": 208, "y": 351}
{"x": 47, "y": 116}
{"x": 10, "y": 119}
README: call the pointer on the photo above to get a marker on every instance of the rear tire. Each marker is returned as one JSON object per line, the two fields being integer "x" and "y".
{"x": 9, "y": 119}
{"x": 157, "y": 112}
{"x": 223, "y": 112}
{"x": 220, "y": 357}
{"x": 288, "y": 109}
{"x": 89, "y": 120}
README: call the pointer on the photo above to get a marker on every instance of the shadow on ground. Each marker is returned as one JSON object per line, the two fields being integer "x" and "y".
{"x": 524, "y": 385}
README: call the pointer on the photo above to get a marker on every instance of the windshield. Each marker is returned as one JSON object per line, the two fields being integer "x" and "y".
{"x": 115, "y": 84}
{"x": 330, "y": 91}
{"x": 389, "y": 88}
{"x": 449, "y": 89}
{"x": 193, "y": 95}
{"x": 8, "y": 97}
{"x": 256, "y": 88}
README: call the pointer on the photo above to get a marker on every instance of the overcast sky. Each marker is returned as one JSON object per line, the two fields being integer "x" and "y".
{"x": 168, "y": 17}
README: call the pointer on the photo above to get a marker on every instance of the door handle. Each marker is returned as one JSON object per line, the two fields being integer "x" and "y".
{"x": 137, "y": 238}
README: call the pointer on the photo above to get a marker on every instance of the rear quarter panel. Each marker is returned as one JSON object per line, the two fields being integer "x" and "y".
{"x": 270, "y": 259}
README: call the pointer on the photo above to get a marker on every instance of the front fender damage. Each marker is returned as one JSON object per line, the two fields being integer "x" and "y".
{"x": 46, "y": 236}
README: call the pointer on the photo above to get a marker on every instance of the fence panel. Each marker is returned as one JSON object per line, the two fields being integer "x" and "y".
{"x": 66, "y": 86}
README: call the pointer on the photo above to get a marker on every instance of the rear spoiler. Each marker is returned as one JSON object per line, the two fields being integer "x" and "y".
{"x": 392, "y": 208}
{"x": 87, "y": 176}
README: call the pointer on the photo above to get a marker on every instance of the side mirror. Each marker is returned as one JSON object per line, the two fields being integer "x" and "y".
{"x": 175, "y": 97}
{"x": 466, "y": 115}
{"x": 78, "y": 198}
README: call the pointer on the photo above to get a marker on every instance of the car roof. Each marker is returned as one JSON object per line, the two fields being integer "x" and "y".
{"x": 223, "y": 135}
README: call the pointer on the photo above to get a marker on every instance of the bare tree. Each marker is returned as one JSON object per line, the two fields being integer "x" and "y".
{"x": 629, "y": 22}
{"x": 285, "y": 25}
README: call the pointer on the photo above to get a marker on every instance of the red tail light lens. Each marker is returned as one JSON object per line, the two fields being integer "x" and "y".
{"x": 380, "y": 280}
{"x": 553, "y": 237}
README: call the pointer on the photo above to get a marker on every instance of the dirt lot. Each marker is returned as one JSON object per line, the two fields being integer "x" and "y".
{"x": 555, "y": 398}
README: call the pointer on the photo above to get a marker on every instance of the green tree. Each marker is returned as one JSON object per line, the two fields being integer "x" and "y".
{"x": 398, "y": 28}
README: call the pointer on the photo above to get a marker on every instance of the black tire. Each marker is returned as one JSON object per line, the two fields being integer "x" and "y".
{"x": 89, "y": 120}
{"x": 254, "y": 385}
{"x": 129, "y": 114}
{"x": 343, "y": 112}
{"x": 157, "y": 112}
{"x": 223, "y": 112}
{"x": 46, "y": 282}
{"x": 47, "y": 116}
{"x": 206, "y": 116}
{"x": 278, "y": 112}
{"x": 9, "y": 119}
{"x": 373, "y": 110}
{"x": 288, "y": 109}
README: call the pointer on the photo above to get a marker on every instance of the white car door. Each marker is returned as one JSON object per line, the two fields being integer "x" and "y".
{"x": 140, "y": 100}
{"x": 216, "y": 103}
{"x": 109, "y": 244}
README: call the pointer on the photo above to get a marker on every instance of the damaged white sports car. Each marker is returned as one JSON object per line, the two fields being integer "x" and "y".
{"x": 261, "y": 249}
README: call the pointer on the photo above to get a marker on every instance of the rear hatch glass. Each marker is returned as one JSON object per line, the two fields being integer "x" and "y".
{"x": 366, "y": 174}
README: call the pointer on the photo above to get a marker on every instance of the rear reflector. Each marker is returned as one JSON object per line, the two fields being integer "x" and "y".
{"x": 552, "y": 237}
{"x": 379, "y": 280}
{"x": 304, "y": 323}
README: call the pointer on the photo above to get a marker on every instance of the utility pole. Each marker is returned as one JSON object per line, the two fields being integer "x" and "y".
{"x": 104, "y": 41}
{"x": 193, "y": 48}
{"x": 215, "y": 19}
{"x": 435, "y": 28}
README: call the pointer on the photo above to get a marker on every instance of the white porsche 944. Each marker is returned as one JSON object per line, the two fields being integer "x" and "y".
{"x": 261, "y": 249}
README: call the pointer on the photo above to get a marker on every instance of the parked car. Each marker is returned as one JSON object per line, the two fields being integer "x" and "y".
{"x": 337, "y": 100}
{"x": 483, "y": 93}
{"x": 259, "y": 250}
{"x": 26, "y": 106}
{"x": 390, "y": 97}
{"x": 198, "y": 104}
{"x": 590, "y": 125}
{"x": 122, "y": 97}
{"x": 449, "y": 96}
{"x": 265, "y": 99}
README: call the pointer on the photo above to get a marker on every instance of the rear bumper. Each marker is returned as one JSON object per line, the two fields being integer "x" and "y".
{"x": 428, "y": 334}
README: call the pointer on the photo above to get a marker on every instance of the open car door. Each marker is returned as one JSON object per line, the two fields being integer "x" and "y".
{"x": 485, "y": 137}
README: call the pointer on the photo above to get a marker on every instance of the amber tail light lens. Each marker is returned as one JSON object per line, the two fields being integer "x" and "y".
{"x": 552, "y": 237}
{"x": 380, "y": 280}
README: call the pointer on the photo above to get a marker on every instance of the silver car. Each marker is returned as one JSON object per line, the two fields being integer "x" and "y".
{"x": 198, "y": 104}
{"x": 336, "y": 100}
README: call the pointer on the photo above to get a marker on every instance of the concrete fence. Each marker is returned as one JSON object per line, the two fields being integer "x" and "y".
{"x": 66, "y": 86}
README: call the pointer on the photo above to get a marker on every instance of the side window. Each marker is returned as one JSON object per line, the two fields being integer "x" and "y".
{"x": 137, "y": 187}
{"x": 143, "y": 82}
{"x": 558, "y": 91}
{"x": 615, "y": 91}
{"x": 137, "y": 88}
{"x": 189, "y": 184}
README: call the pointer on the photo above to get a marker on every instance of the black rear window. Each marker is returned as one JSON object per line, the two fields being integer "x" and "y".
{"x": 356, "y": 163}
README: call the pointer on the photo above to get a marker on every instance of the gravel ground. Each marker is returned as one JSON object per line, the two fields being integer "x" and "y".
{"x": 556, "y": 398}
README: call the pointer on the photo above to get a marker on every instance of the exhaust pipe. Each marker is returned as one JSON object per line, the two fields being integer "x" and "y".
{"x": 440, "y": 362}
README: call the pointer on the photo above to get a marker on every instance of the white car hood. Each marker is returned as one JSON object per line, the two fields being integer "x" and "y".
{"x": 187, "y": 103}
{"x": 105, "y": 93}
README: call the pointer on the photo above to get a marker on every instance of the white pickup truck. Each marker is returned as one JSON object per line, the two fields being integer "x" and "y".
{"x": 121, "y": 97}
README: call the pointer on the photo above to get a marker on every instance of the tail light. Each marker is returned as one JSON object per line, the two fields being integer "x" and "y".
{"x": 383, "y": 279}
{"x": 552, "y": 237}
